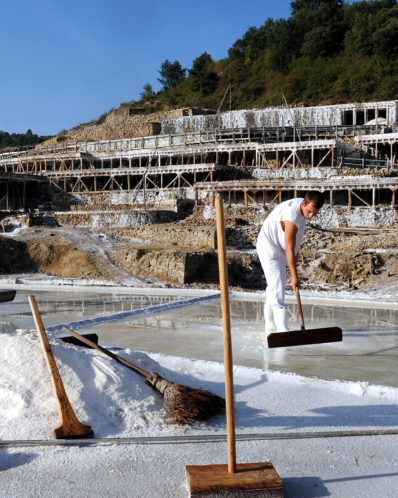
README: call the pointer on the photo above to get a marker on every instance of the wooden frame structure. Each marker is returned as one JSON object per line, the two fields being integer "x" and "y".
{"x": 17, "y": 191}
{"x": 269, "y": 192}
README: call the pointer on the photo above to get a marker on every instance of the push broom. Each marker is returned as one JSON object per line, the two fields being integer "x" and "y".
{"x": 304, "y": 337}
{"x": 182, "y": 404}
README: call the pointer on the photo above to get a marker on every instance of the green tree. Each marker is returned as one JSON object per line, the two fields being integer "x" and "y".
{"x": 252, "y": 42}
{"x": 278, "y": 43}
{"x": 385, "y": 40}
{"x": 147, "y": 91}
{"x": 201, "y": 77}
{"x": 171, "y": 74}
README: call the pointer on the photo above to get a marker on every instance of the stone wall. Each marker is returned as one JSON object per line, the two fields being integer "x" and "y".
{"x": 123, "y": 123}
{"x": 173, "y": 266}
{"x": 167, "y": 198}
{"x": 174, "y": 234}
{"x": 336, "y": 217}
{"x": 356, "y": 217}
{"x": 184, "y": 267}
{"x": 109, "y": 219}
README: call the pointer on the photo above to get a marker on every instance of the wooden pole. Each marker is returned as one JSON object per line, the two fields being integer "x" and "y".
{"x": 70, "y": 427}
{"x": 229, "y": 383}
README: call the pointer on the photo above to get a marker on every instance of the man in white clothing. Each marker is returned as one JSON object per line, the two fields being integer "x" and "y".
{"x": 278, "y": 245}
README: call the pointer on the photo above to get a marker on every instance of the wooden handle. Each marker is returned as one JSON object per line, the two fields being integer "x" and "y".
{"x": 70, "y": 427}
{"x": 229, "y": 381}
{"x": 105, "y": 351}
{"x": 300, "y": 309}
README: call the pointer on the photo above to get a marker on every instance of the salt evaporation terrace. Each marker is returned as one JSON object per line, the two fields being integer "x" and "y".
{"x": 368, "y": 351}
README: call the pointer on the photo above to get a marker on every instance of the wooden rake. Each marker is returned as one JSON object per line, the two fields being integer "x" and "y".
{"x": 71, "y": 427}
{"x": 304, "y": 337}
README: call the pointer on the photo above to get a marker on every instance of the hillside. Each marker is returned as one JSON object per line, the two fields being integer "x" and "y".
{"x": 326, "y": 52}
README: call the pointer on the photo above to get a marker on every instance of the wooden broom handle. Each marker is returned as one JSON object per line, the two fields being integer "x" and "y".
{"x": 105, "y": 351}
{"x": 229, "y": 382}
{"x": 300, "y": 309}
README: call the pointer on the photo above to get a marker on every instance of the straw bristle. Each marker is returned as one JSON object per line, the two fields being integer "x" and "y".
{"x": 184, "y": 404}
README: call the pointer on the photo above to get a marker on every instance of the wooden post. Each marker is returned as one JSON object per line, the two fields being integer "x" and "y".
{"x": 374, "y": 197}
{"x": 393, "y": 198}
{"x": 331, "y": 198}
{"x": 349, "y": 199}
{"x": 228, "y": 365}
{"x": 280, "y": 197}
{"x": 24, "y": 195}
{"x": 245, "y": 196}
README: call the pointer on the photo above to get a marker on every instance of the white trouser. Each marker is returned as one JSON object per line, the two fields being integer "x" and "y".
{"x": 275, "y": 274}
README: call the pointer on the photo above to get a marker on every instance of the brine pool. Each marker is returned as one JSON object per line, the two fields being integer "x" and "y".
{"x": 368, "y": 353}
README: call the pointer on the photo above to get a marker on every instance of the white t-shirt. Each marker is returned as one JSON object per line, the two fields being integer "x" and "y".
{"x": 272, "y": 235}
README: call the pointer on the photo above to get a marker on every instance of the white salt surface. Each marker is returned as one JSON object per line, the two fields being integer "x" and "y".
{"x": 116, "y": 402}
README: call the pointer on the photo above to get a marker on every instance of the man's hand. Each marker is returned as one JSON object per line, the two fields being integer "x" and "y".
{"x": 295, "y": 282}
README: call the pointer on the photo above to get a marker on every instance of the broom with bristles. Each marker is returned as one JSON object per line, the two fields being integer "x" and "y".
{"x": 182, "y": 404}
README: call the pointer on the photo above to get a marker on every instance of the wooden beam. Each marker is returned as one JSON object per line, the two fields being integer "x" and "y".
{"x": 274, "y": 199}
{"x": 251, "y": 198}
{"x": 360, "y": 198}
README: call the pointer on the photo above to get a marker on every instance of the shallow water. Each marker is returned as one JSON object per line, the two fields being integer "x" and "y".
{"x": 59, "y": 307}
{"x": 368, "y": 352}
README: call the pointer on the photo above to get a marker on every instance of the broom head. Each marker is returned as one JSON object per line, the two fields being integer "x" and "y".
{"x": 184, "y": 404}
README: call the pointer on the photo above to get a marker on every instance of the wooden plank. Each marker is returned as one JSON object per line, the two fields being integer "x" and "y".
{"x": 251, "y": 479}
{"x": 304, "y": 337}
{"x": 360, "y": 198}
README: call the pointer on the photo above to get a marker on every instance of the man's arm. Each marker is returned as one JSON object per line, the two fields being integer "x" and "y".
{"x": 290, "y": 230}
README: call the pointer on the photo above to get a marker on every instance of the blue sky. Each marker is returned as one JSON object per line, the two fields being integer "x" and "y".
{"x": 65, "y": 63}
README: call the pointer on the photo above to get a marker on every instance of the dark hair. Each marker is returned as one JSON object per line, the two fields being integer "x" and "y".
{"x": 315, "y": 198}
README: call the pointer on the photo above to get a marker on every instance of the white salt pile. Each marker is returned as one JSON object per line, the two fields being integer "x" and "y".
{"x": 116, "y": 402}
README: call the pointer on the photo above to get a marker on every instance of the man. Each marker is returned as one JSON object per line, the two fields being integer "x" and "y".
{"x": 277, "y": 246}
